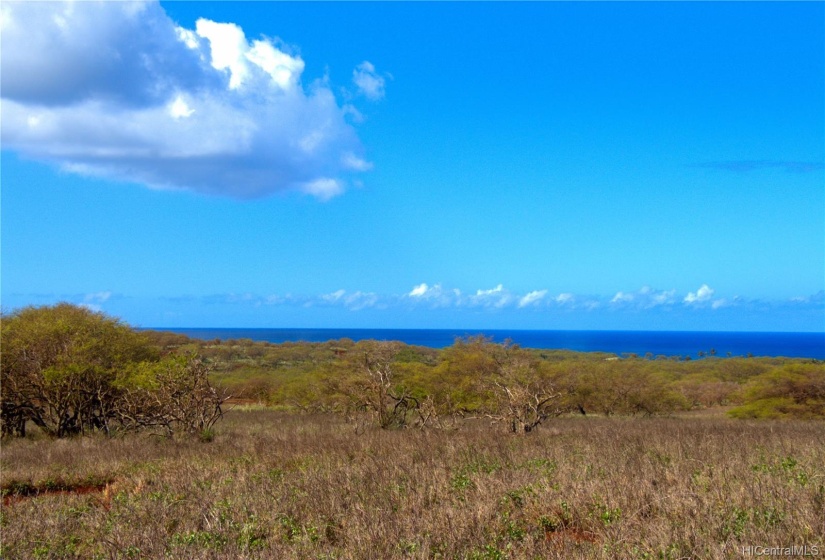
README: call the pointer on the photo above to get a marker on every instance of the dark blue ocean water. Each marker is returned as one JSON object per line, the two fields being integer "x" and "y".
{"x": 676, "y": 343}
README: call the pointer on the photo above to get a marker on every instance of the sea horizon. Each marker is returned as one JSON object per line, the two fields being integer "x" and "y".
{"x": 791, "y": 344}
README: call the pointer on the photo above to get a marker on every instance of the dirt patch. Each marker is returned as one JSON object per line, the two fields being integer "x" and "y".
{"x": 16, "y": 492}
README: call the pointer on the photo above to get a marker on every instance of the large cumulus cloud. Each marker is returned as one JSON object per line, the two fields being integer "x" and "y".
{"x": 117, "y": 89}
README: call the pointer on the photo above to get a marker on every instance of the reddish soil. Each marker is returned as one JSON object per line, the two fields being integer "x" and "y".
{"x": 560, "y": 536}
{"x": 21, "y": 493}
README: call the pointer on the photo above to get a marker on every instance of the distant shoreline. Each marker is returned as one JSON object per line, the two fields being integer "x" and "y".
{"x": 642, "y": 343}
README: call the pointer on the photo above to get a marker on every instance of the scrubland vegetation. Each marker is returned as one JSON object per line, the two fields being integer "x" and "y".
{"x": 286, "y": 486}
{"x": 113, "y": 449}
{"x": 470, "y": 378}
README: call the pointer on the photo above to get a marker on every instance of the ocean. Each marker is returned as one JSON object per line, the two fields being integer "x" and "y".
{"x": 667, "y": 343}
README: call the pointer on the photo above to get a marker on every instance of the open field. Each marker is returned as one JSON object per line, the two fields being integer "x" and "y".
{"x": 275, "y": 485}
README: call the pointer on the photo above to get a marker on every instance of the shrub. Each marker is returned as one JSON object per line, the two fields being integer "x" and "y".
{"x": 70, "y": 370}
{"x": 58, "y": 368}
{"x": 791, "y": 391}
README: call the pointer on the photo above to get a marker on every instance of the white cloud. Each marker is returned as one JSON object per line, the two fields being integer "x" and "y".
{"x": 720, "y": 303}
{"x": 622, "y": 297}
{"x": 419, "y": 291}
{"x": 282, "y": 68}
{"x": 323, "y": 188}
{"x": 230, "y": 51}
{"x": 433, "y": 296}
{"x": 816, "y": 299}
{"x": 703, "y": 294}
{"x": 98, "y": 297}
{"x": 496, "y": 297}
{"x": 644, "y": 298}
{"x": 179, "y": 109}
{"x": 368, "y": 82}
{"x": 436, "y": 296}
{"x": 118, "y": 90}
{"x": 334, "y": 296}
{"x": 484, "y": 293}
{"x": 361, "y": 300}
{"x": 564, "y": 298}
{"x": 663, "y": 298}
{"x": 351, "y": 161}
{"x": 354, "y": 301}
{"x": 227, "y": 47}
{"x": 532, "y": 298}
{"x": 94, "y": 301}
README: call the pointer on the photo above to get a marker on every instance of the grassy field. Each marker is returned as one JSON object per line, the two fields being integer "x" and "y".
{"x": 276, "y": 485}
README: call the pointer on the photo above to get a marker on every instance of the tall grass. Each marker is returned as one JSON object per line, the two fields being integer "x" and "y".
{"x": 273, "y": 485}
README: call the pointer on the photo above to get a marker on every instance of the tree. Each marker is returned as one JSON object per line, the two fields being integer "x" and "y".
{"x": 521, "y": 395}
{"x": 58, "y": 367}
{"x": 795, "y": 390}
{"x": 525, "y": 398}
{"x": 70, "y": 370}
{"x": 173, "y": 394}
{"x": 463, "y": 377}
{"x": 625, "y": 387}
{"x": 375, "y": 387}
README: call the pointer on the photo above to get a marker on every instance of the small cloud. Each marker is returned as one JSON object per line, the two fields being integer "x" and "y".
{"x": 496, "y": 297}
{"x": 368, "y": 82}
{"x": 361, "y": 300}
{"x": 435, "y": 296}
{"x": 816, "y": 299}
{"x": 622, "y": 297}
{"x": 419, "y": 291}
{"x": 484, "y": 293}
{"x": 645, "y": 298}
{"x": 353, "y": 301}
{"x": 179, "y": 109}
{"x": 351, "y": 161}
{"x": 565, "y": 298}
{"x": 532, "y": 298}
{"x": 703, "y": 294}
{"x": 94, "y": 301}
{"x": 324, "y": 188}
{"x": 98, "y": 297}
{"x": 334, "y": 296}
{"x": 663, "y": 298}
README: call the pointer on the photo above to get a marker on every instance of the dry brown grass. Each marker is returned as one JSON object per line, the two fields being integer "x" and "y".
{"x": 273, "y": 485}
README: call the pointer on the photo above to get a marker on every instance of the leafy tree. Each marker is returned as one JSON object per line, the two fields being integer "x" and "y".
{"x": 70, "y": 370}
{"x": 796, "y": 390}
{"x": 58, "y": 367}
{"x": 624, "y": 387}
{"x": 525, "y": 398}
{"x": 173, "y": 394}
{"x": 463, "y": 376}
{"x": 375, "y": 387}
{"x": 501, "y": 381}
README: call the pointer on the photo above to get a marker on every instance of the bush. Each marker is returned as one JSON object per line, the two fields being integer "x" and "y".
{"x": 58, "y": 368}
{"x": 70, "y": 370}
{"x": 173, "y": 394}
{"x": 792, "y": 391}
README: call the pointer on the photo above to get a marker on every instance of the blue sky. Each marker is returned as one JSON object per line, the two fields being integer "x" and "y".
{"x": 653, "y": 166}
